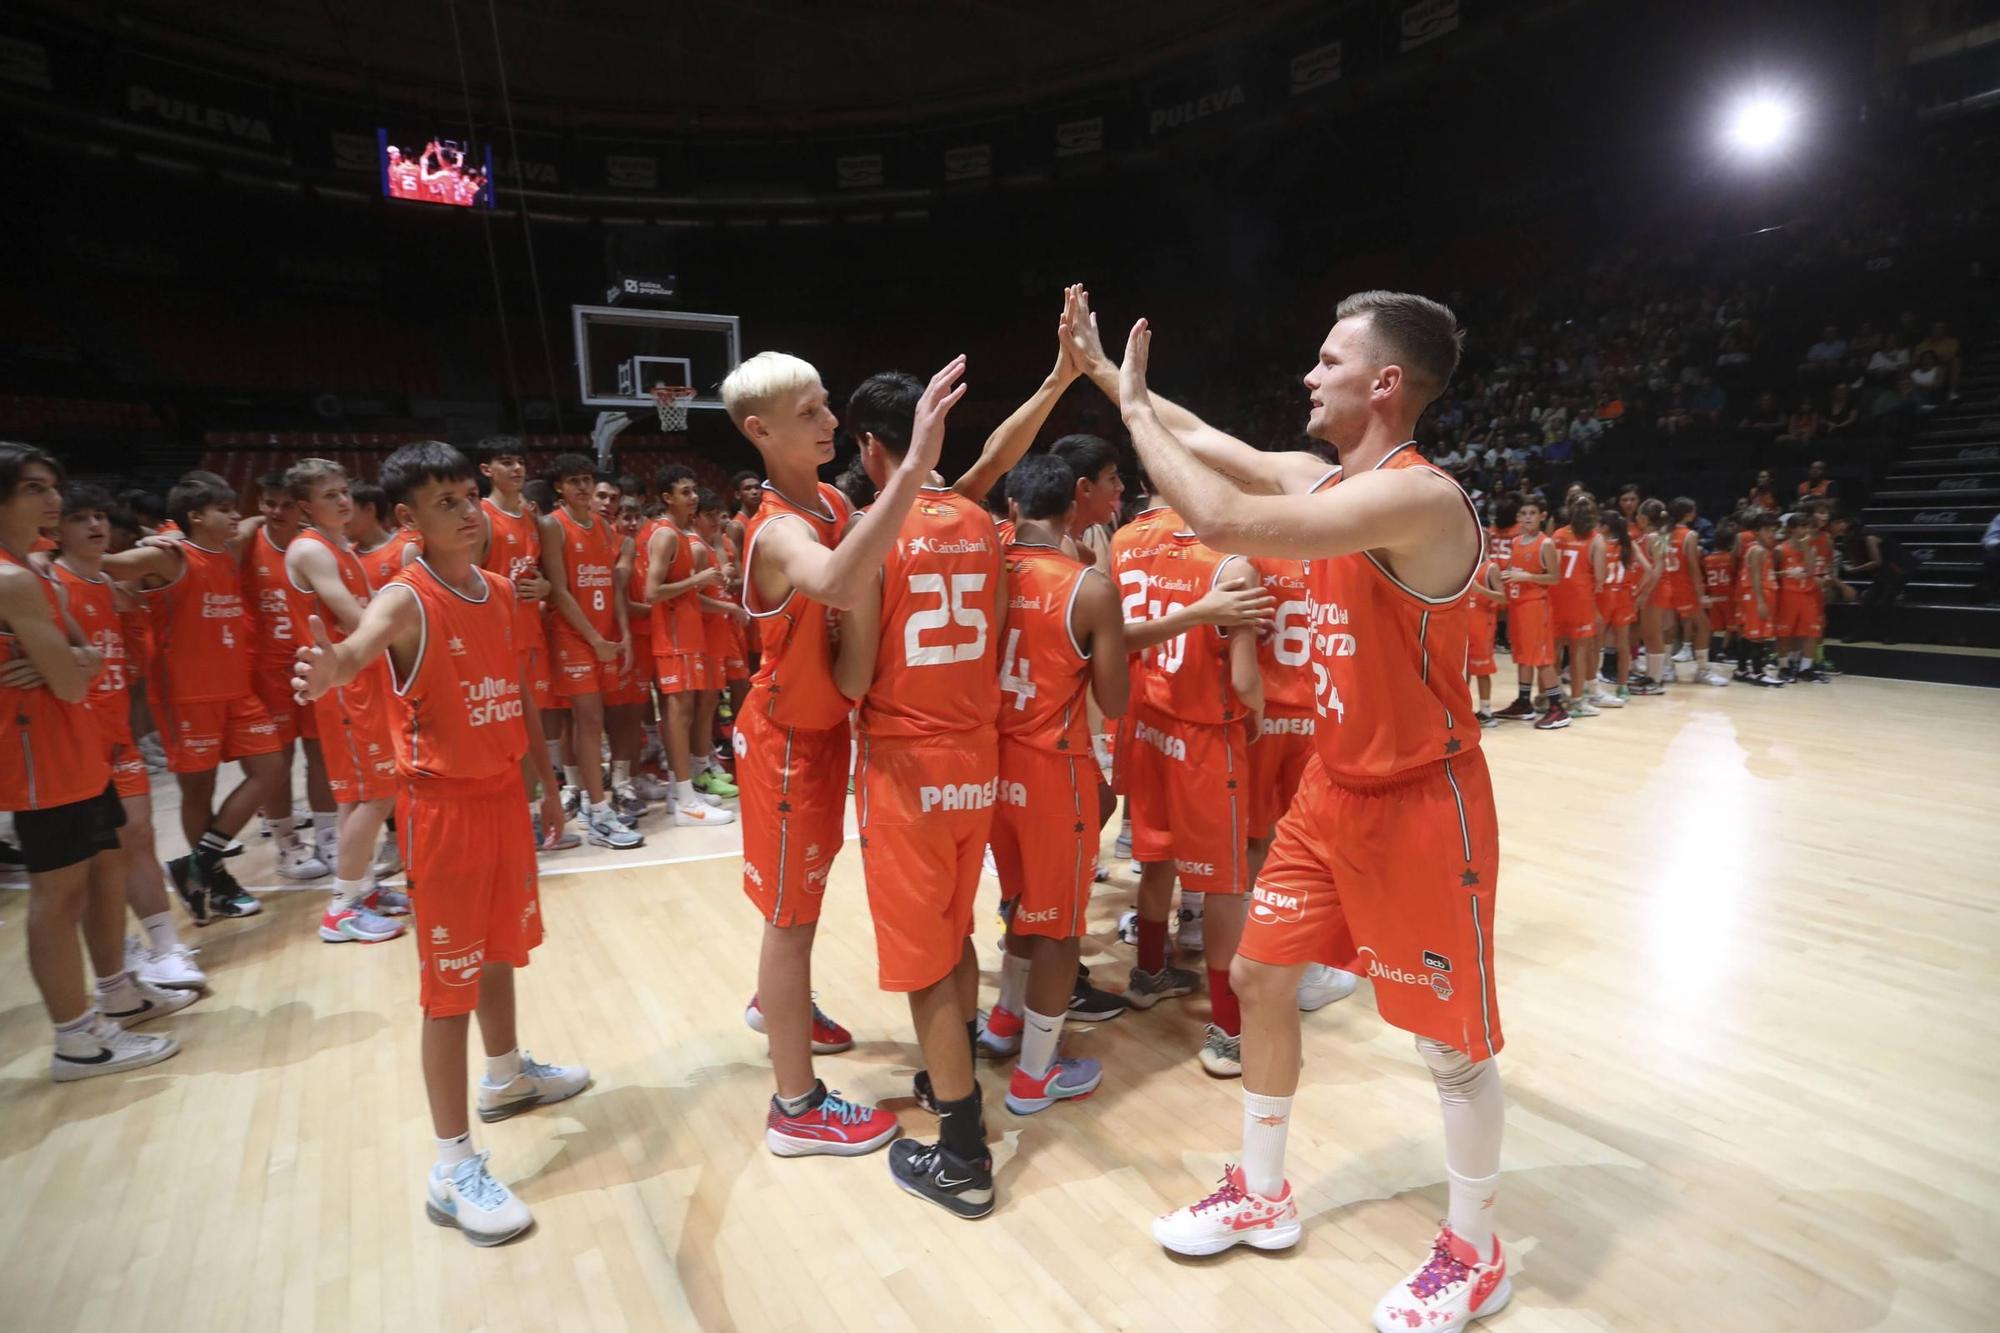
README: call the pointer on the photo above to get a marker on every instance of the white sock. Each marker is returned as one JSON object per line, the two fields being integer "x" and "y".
{"x": 621, "y": 772}
{"x": 1266, "y": 1122}
{"x": 112, "y": 985}
{"x": 573, "y": 776}
{"x": 555, "y": 755}
{"x": 1014, "y": 984}
{"x": 451, "y": 1152}
{"x": 349, "y": 892}
{"x": 1039, "y": 1035}
{"x": 1475, "y": 1115}
{"x": 1701, "y": 660}
{"x": 502, "y": 1069}
{"x": 684, "y": 793}
{"x": 74, "y": 1036}
{"x": 602, "y": 808}
{"x": 326, "y": 835}
{"x": 160, "y": 931}
{"x": 1196, "y": 903}
{"x": 280, "y": 829}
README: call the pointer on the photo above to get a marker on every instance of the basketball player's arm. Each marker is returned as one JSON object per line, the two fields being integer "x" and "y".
{"x": 621, "y": 607}
{"x": 1597, "y": 564}
{"x": 555, "y": 571}
{"x": 1482, "y": 584}
{"x": 538, "y": 755}
{"x": 144, "y": 561}
{"x": 1246, "y": 677}
{"x": 1753, "y": 565}
{"x": 1649, "y": 573}
{"x": 1243, "y": 464}
{"x": 860, "y": 641}
{"x": 1225, "y": 607}
{"x": 390, "y": 624}
{"x": 1011, "y": 438}
{"x": 1095, "y": 619}
{"x": 839, "y": 577}
{"x": 64, "y": 669}
{"x": 313, "y": 565}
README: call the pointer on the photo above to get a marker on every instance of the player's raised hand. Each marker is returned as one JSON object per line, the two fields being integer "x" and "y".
{"x": 1068, "y": 367}
{"x": 1079, "y": 335}
{"x": 927, "y": 436}
{"x": 1133, "y": 395}
{"x": 315, "y": 669}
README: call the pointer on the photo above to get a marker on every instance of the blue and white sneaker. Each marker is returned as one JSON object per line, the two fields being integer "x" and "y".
{"x": 607, "y": 829}
{"x": 469, "y": 1198}
{"x": 343, "y": 922}
{"x": 536, "y": 1085}
{"x": 1067, "y": 1080}
{"x": 387, "y": 902}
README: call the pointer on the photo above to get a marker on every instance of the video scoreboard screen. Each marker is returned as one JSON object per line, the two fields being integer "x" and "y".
{"x": 433, "y": 169}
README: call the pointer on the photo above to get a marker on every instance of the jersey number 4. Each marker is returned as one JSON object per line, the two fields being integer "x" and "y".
{"x": 1014, "y": 672}
{"x": 951, "y": 609}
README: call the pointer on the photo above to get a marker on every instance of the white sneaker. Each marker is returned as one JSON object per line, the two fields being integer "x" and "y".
{"x": 170, "y": 969}
{"x": 388, "y": 858}
{"x": 1451, "y": 1289}
{"x": 1712, "y": 677}
{"x": 295, "y": 861}
{"x": 139, "y": 1001}
{"x": 1605, "y": 699}
{"x": 1121, "y": 848}
{"x": 1322, "y": 985}
{"x": 986, "y": 865}
{"x": 1231, "y": 1216}
{"x": 604, "y": 829}
{"x": 651, "y": 788}
{"x": 1581, "y": 708}
{"x": 1221, "y": 1054}
{"x": 1188, "y": 934}
{"x": 1128, "y": 926}
{"x": 106, "y": 1048}
{"x": 1683, "y": 654}
{"x": 1669, "y": 676}
{"x": 536, "y": 1085}
{"x": 469, "y": 1198}
{"x": 702, "y": 813}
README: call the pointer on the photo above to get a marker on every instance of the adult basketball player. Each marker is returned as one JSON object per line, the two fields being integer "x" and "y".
{"x": 1388, "y": 856}
{"x": 462, "y": 721}
{"x": 803, "y": 561}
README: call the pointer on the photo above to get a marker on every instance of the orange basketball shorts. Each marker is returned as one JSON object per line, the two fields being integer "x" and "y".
{"x": 355, "y": 741}
{"x": 1754, "y": 625}
{"x": 1184, "y": 784}
{"x": 1045, "y": 838}
{"x": 1674, "y": 592}
{"x": 1529, "y": 633}
{"x": 924, "y": 806}
{"x": 575, "y": 668}
{"x": 1278, "y": 761}
{"x": 1396, "y": 880}
{"x": 1480, "y": 628}
{"x": 202, "y": 736}
{"x": 1617, "y": 606}
{"x": 271, "y": 681}
{"x": 793, "y": 786}
{"x": 470, "y": 850}
{"x": 634, "y": 686}
{"x": 128, "y": 766}
{"x": 1574, "y": 613}
{"x": 1801, "y": 615}
{"x": 535, "y": 668}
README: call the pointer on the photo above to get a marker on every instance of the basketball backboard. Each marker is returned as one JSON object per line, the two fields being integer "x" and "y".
{"x": 621, "y": 353}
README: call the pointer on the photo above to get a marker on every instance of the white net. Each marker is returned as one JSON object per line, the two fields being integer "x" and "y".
{"x": 673, "y": 407}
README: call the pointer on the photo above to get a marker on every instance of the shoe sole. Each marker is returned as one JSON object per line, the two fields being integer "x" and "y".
{"x": 616, "y": 846}
{"x": 756, "y": 1025}
{"x": 71, "y": 1072}
{"x": 1269, "y": 1238}
{"x": 508, "y": 1110}
{"x": 784, "y": 1146}
{"x": 680, "y": 822}
{"x": 340, "y": 937}
{"x": 1213, "y": 1072}
{"x": 482, "y": 1239}
{"x": 1138, "y": 1000}
{"x": 294, "y": 874}
{"x": 1495, "y": 1303}
{"x": 1318, "y": 1004}
{"x": 971, "y": 1212}
{"x": 200, "y": 983}
{"x": 1086, "y": 1016}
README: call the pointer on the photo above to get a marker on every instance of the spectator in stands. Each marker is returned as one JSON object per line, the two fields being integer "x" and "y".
{"x": 1827, "y": 357}
{"x": 1676, "y": 416}
{"x": 1880, "y": 560}
{"x": 1707, "y": 401}
{"x": 1803, "y": 426}
{"x": 1817, "y": 483}
{"x": 1766, "y": 419}
{"x": 1894, "y": 406}
{"x": 1864, "y": 344}
{"x": 1929, "y": 378}
{"x": 1840, "y": 413}
{"x": 1763, "y": 492}
{"x": 1889, "y": 362}
{"x": 1941, "y": 344}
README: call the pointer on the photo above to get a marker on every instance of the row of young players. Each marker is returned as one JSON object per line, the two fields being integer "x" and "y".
{"x": 1614, "y": 591}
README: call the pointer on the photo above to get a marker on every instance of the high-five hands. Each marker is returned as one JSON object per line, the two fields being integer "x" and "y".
{"x": 315, "y": 668}
{"x": 927, "y": 435}
{"x": 1132, "y": 393}
{"x": 1079, "y": 334}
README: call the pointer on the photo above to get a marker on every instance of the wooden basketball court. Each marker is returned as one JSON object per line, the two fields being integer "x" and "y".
{"x": 1747, "y": 950}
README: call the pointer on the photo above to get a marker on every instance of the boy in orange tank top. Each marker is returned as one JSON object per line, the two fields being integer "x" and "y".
{"x": 1392, "y": 843}
{"x": 678, "y": 641}
{"x": 804, "y": 561}
{"x": 722, "y": 619}
{"x": 55, "y": 776}
{"x": 463, "y": 719}
{"x": 1533, "y": 567}
{"x": 1483, "y": 601}
{"x": 328, "y": 582}
{"x": 208, "y": 710}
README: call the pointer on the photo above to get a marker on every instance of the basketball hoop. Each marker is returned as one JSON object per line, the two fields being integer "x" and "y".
{"x": 672, "y": 401}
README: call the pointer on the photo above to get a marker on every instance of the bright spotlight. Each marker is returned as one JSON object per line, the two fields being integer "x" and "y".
{"x": 1760, "y": 124}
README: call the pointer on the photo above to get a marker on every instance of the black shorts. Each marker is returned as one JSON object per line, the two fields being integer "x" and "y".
{"x": 68, "y": 834}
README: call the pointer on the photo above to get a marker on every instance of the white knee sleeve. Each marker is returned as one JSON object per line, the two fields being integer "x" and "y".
{"x": 1475, "y": 1108}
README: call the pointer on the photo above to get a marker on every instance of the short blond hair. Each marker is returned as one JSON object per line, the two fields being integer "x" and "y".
{"x": 302, "y": 476}
{"x": 761, "y": 382}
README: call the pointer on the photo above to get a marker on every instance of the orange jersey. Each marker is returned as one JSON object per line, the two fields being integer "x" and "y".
{"x": 204, "y": 630}
{"x": 1284, "y": 656}
{"x": 274, "y": 637}
{"x": 1718, "y": 575}
{"x": 458, "y": 713}
{"x": 1389, "y": 663}
{"x": 307, "y": 603}
{"x": 1477, "y": 605}
{"x": 1619, "y": 576}
{"x": 590, "y": 561}
{"x": 1500, "y": 542}
{"x": 1005, "y": 527}
{"x": 93, "y": 604}
{"x": 1526, "y": 553}
{"x": 794, "y": 682}
{"x": 514, "y": 550}
{"x": 1573, "y": 562}
{"x": 1044, "y": 672}
{"x": 1795, "y": 573}
{"x": 1160, "y": 568}
{"x": 714, "y": 624}
{"x": 936, "y": 669}
{"x": 51, "y": 753}
{"x": 1820, "y": 546}
{"x": 677, "y": 622}
{"x": 384, "y": 562}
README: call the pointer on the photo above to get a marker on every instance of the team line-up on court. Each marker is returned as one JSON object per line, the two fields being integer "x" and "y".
{"x": 1270, "y": 664}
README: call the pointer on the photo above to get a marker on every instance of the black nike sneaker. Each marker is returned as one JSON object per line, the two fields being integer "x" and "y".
{"x": 1088, "y": 1004}
{"x": 193, "y": 892}
{"x": 932, "y": 1171}
{"x": 227, "y": 898}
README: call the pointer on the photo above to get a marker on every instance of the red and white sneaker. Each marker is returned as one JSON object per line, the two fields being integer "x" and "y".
{"x": 835, "y": 1126}
{"x": 999, "y": 1033}
{"x": 353, "y": 922}
{"x": 1453, "y": 1288}
{"x": 1231, "y": 1216}
{"x": 829, "y": 1037}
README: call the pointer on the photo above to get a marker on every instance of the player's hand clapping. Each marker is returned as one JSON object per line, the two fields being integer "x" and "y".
{"x": 315, "y": 667}
{"x": 927, "y": 435}
{"x": 1133, "y": 396}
